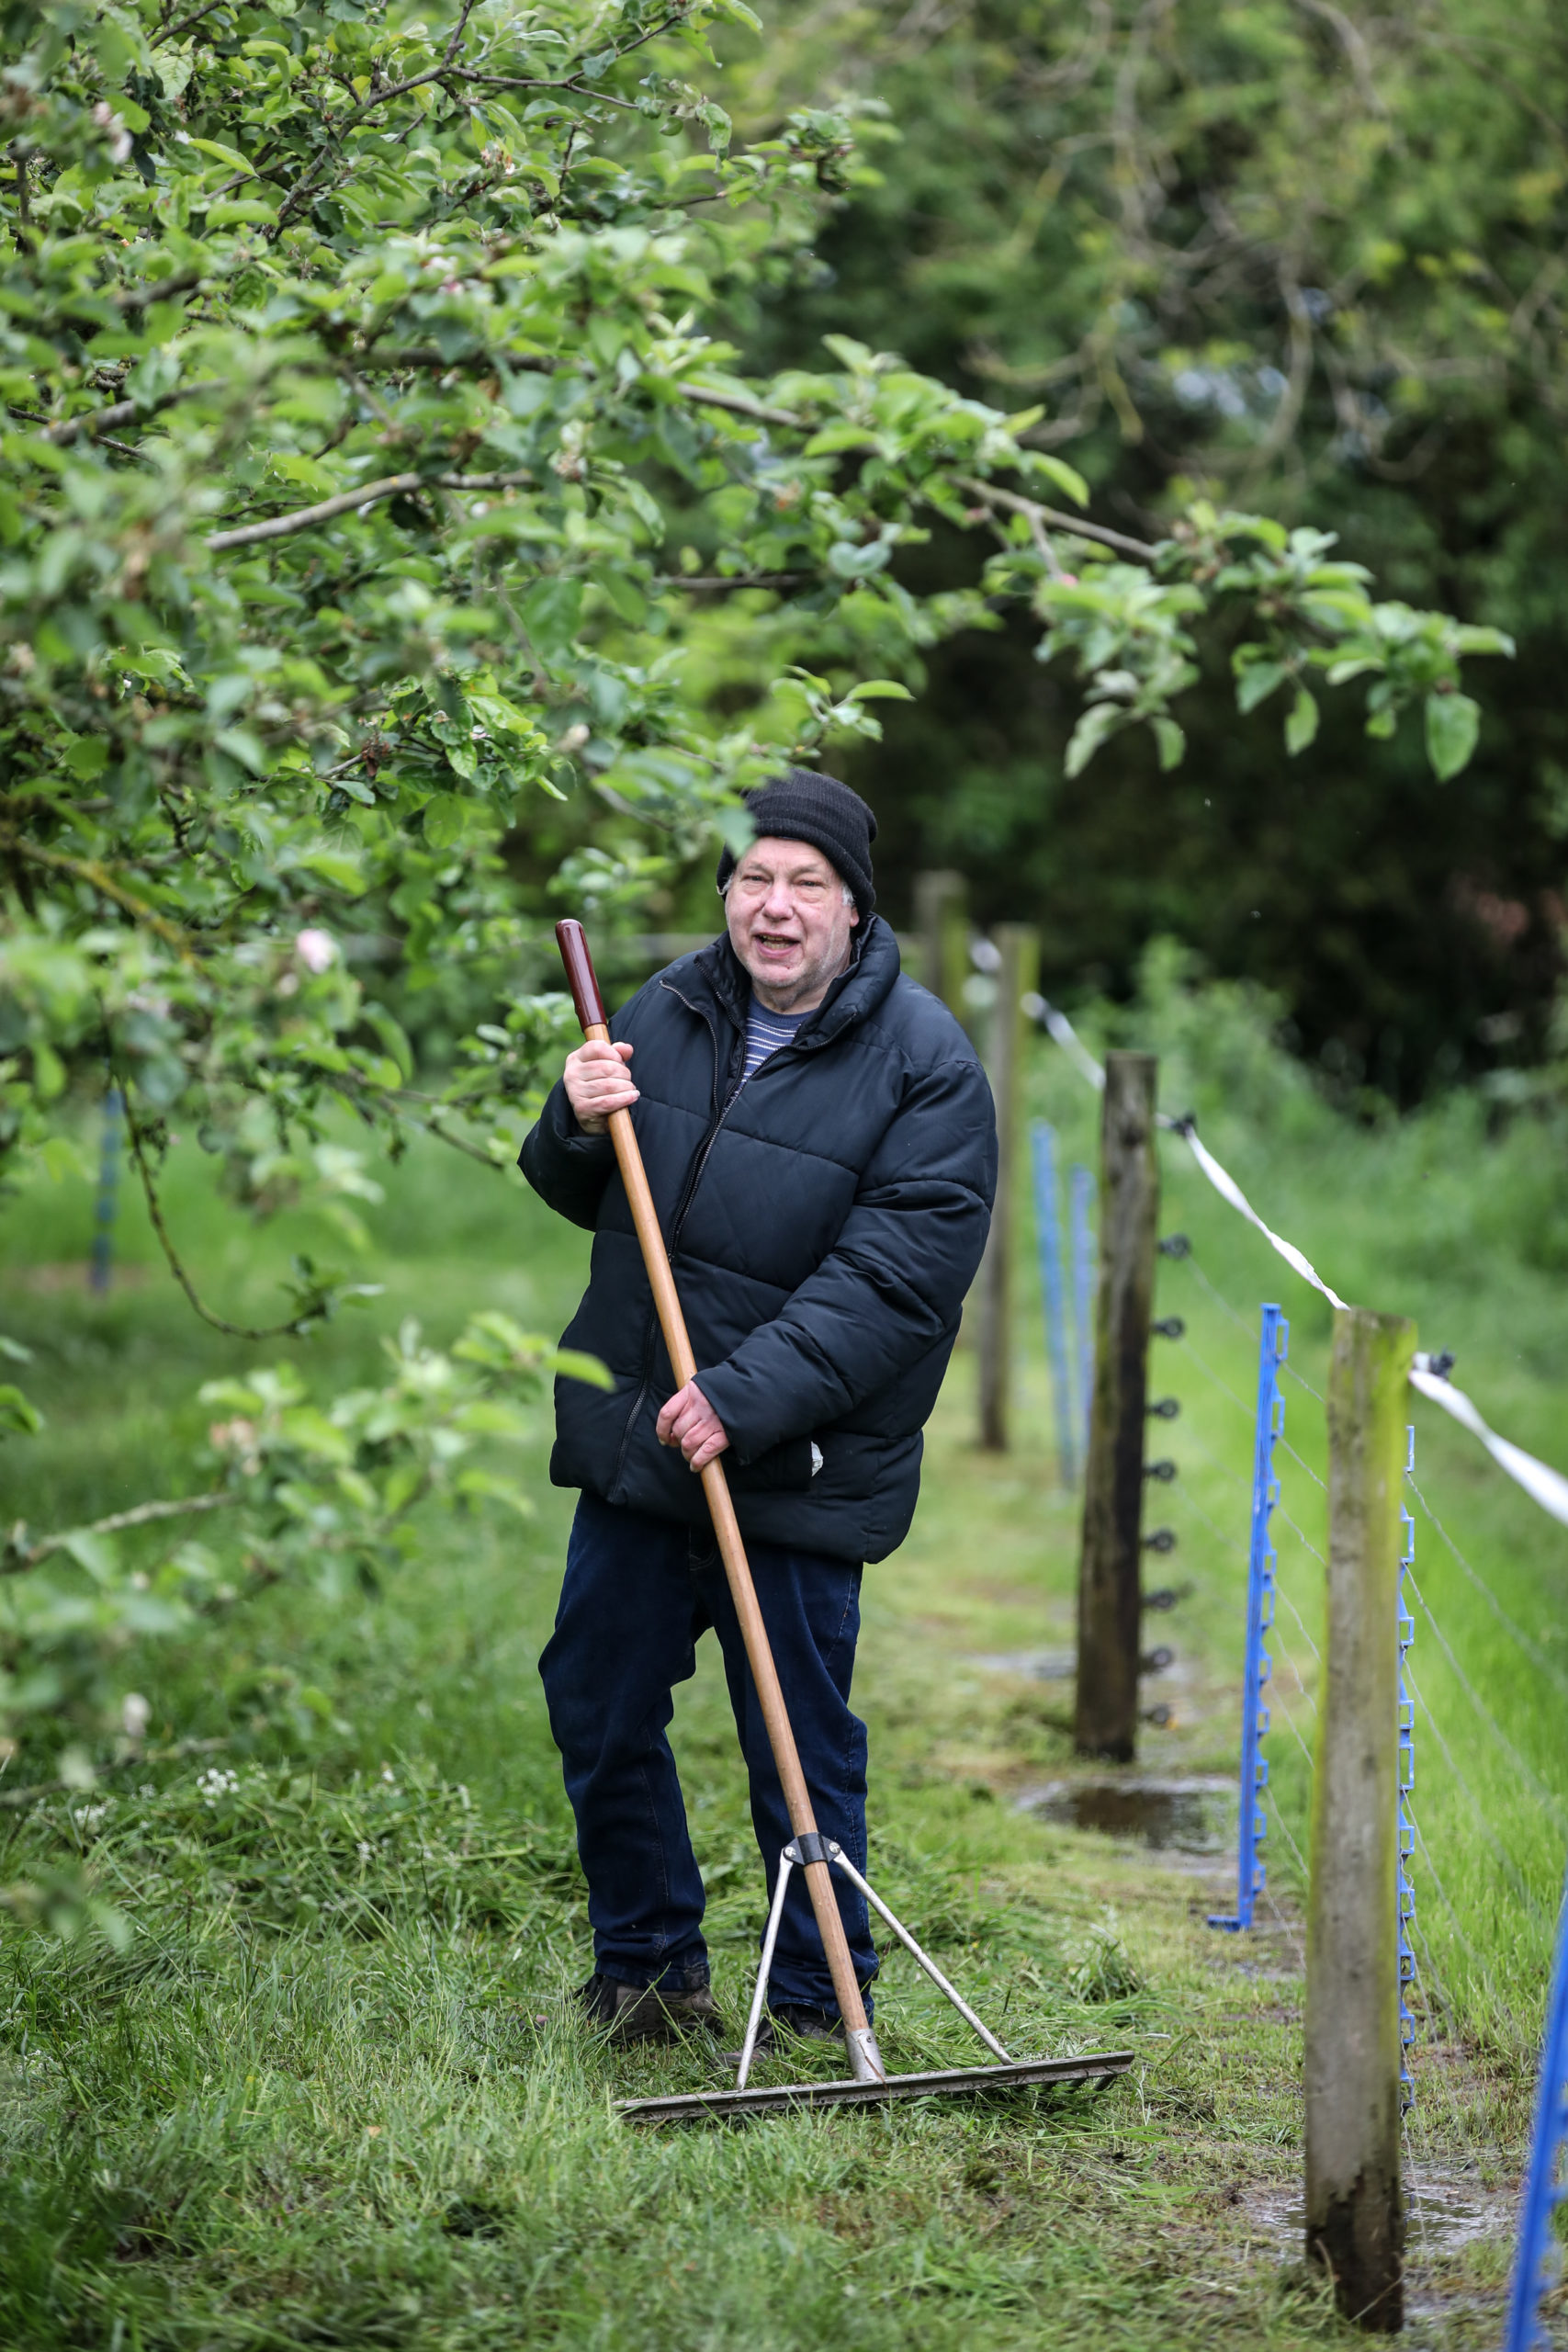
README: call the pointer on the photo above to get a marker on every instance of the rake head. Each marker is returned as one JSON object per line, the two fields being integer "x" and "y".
{"x": 1022, "y": 2074}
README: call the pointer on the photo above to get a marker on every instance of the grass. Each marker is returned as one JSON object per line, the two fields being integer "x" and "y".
{"x": 333, "y": 2093}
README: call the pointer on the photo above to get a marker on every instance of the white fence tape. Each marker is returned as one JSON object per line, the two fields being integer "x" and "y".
{"x": 1541, "y": 1482}
{"x": 1229, "y": 1190}
{"x": 1067, "y": 1038}
{"x": 1548, "y": 1486}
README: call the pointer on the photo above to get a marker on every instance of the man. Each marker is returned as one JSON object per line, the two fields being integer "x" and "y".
{"x": 821, "y": 1148}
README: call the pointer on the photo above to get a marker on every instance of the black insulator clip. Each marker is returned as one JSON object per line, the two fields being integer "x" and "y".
{"x": 1169, "y": 1327}
{"x": 1164, "y": 1597}
{"x": 1164, "y": 1471}
{"x": 1176, "y": 1245}
{"x": 1156, "y": 1661}
{"x": 1165, "y": 1408}
{"x": 1162, "y": 1540}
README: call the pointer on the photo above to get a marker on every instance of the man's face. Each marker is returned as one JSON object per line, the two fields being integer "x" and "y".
{"x": 789, "y": 922}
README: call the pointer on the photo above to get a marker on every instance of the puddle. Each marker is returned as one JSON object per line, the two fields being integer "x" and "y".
{"x": 1175, "y": 1816}
{"x": 1444, "y": 2214}
{"x": 1035, "y": 1665}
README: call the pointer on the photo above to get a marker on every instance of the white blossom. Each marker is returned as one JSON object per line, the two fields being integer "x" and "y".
{"x": 317, "y": 950}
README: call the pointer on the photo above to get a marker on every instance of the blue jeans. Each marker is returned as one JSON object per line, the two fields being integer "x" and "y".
{"x": 638, "y": 1594}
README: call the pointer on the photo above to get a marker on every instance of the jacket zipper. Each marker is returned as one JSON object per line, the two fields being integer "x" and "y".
{"x": 681, "y": 1208}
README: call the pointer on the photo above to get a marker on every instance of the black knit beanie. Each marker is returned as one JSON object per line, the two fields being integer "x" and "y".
{"x": 801, "y": 805}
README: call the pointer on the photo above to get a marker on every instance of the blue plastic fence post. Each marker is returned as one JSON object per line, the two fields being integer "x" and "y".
{"x": 108, "y": 1188}
{"x": 1406, "y": 1782}
{"x": 1048, "y": 1234}
{"x": 1083, "y": 1291}
{"x": 1535, "y": 2264}
{"x": 1251, "y": 1827}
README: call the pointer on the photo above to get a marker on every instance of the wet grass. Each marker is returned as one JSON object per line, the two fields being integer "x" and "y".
{"x": 334, "y": 2092}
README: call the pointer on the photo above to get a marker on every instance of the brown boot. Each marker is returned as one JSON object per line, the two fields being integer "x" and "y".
{"x": 654, "y": 2013}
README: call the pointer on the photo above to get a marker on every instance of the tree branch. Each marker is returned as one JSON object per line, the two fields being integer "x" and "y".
{"x": 290, "y": 1331}
{"x": 104, "y": 420}
{"x": 304, "y": 519}
{"x": 716, "y": 583}
{"x": 173, "y": 32}
{"x": 141, "y": 298}
{"x": 393, "y": 362}
{"x": 16, "y": 1559}
{"x": 88, "y": 870}
{"x": 124, "y": 449}
{"x": 1010, "y": 499}
{"x": 522, "y": 82}
{"x": 311, "y": 180}
{"x": 739, "y": 403}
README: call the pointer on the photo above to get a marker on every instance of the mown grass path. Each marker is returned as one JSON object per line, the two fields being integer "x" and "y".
{"x": 335, "y": 2093}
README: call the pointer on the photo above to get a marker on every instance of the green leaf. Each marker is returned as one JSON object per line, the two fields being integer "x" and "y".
{"x": 230, "y": 155}
{"x": 1453, "y": 722}
{"x": 879, "y": 690}
{"x": 240, "y": 211}
{"x": 310, "y": 1431}
{"x": 1039, "y": 464}
{"x": 1171, "y": 742}
{"x": 1100, "y": 721}
{"x": 20, "y": 1416}
{"x": 1255, "y": 680}
{"x": 343, "y": 872}
{"x": 1301, "y": 727}
{"x": 98, "y": 1555}
{"x": 447, "y": 820}
{"x": 834, "y": 437}
{"x": 493, "y": 1417}
{"x": 49, "y": 1071}
{"x": 551, "y": 611}
{"x": 392, "y": 1036}
{"x": 63, "y": 1156}
{"x": 483, "y": 1485}
{"x": 623, "y": 591}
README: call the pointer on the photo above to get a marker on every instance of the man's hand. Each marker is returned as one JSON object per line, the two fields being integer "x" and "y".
{"x": 597, "y": 1083}
{"x": 689, "y": 1421}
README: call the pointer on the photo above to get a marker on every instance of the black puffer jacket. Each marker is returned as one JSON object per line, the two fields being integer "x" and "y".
{"x": 825, "y": 1222}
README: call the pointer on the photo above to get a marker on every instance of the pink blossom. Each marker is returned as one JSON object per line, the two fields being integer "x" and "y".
{"x": 317, "y": 950}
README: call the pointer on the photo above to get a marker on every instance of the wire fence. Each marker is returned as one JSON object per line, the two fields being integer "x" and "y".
{"x": 1473, "y": 1772}
{"x": 1481, "y": 1768}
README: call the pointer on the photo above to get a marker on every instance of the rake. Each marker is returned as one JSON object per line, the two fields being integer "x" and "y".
{"x": 806, "y": 1851}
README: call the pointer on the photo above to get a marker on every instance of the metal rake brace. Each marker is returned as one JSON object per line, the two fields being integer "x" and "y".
{"x": 826, "y": 1850}
{"x": 1011, "y": 2074}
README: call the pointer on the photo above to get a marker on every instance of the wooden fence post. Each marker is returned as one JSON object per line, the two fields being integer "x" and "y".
{"x": 1111, "y": 1565}
{"x": 1355, "y": 2219}
{"x": 941, "y": 926}
{"x": 1017, "y": 946}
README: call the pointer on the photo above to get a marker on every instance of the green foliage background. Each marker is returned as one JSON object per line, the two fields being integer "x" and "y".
{"x": 1306, "y": 257}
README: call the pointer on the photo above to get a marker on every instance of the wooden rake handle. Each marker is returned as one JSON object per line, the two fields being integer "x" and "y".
{"x": 572, "y": 941}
